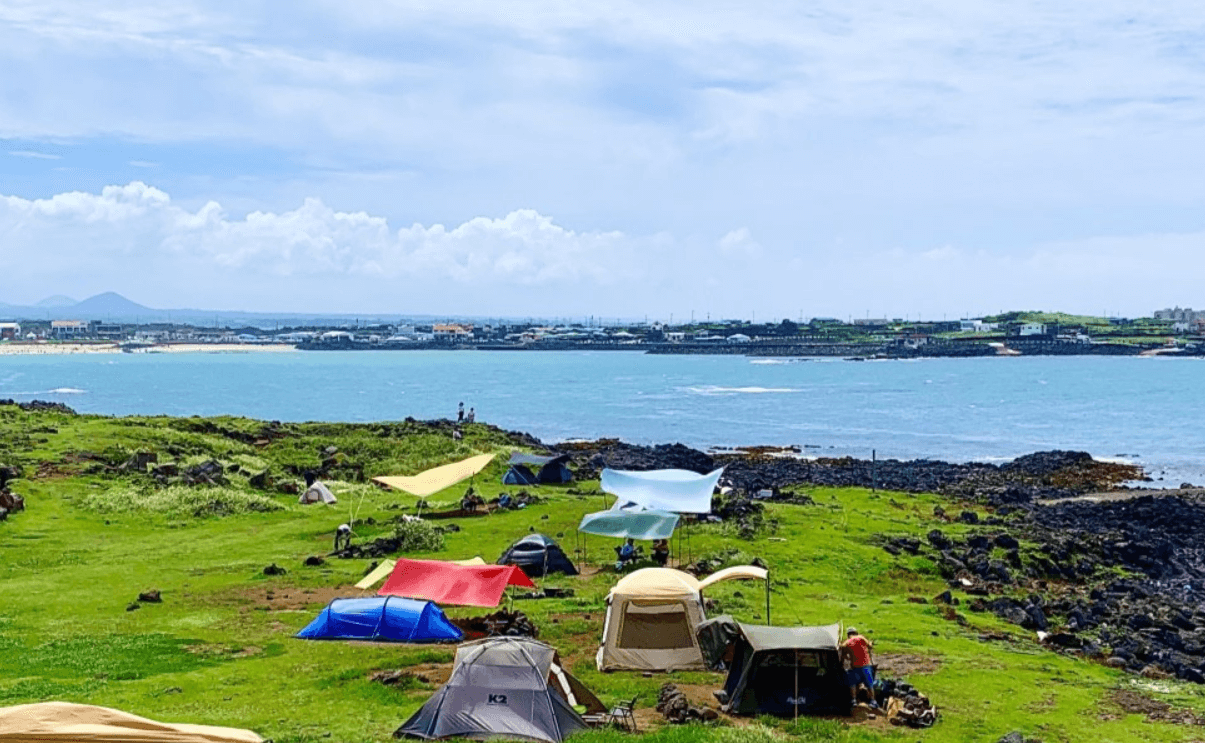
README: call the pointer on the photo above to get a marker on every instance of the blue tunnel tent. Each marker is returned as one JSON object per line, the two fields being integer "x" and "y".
{"x": 381, "y": 619}
{"x": 552, "y": 470}
{"x": 538, "y": 555}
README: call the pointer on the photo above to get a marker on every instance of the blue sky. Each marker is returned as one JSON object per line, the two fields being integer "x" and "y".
{"x": 851, "y": 158}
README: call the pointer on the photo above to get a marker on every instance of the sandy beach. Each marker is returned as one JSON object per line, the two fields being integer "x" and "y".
{"x": 48, "y": 349}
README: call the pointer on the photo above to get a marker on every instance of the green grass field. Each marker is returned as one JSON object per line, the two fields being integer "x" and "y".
{"x": 218, "y": 650}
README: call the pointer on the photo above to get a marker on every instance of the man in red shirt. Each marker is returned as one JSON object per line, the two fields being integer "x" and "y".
{"x": 858, "y": 649}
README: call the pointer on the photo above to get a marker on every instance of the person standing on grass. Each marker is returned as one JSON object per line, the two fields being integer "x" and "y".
{"x": 460, "y": 413}
{"x": 472, "y": 418}
{"x": 861, "y": 671}
{"x": 342, "y": 537}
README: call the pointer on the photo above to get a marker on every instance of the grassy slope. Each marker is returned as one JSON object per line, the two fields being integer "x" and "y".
{"x": 215, "y": 652}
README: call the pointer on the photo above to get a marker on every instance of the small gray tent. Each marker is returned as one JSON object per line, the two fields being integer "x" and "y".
{"x": 504, "y": 687}
{"x": 538, "y": 556}
{"x": 552, "y": 470}
{"x": 318, "y": 493}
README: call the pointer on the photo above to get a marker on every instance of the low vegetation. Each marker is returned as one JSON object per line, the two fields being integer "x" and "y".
{"x": 218, "y": 649}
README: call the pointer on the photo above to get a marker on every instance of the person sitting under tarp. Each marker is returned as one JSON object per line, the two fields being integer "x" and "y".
{"x": 471, "y": 500}
{"x": 661, "y": 552}
{"x": 626, "y": 553}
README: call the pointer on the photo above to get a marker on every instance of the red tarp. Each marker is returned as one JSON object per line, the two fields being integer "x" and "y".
{"x": 448, "y": 583}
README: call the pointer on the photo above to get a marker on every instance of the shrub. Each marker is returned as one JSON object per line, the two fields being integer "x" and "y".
{"x": 419, "y": 536}
{"x": 180, "y": 500}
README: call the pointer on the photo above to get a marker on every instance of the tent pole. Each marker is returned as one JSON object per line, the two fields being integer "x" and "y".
{"x": 768, "y": 623}
{"x": 795, "y": 703}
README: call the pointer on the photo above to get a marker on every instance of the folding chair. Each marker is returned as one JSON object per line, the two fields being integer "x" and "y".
{"x": 622, "y": 715}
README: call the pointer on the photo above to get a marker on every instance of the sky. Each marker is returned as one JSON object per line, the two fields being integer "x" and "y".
{"x": 731, "y": 160}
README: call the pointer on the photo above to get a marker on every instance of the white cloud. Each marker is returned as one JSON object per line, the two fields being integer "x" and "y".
{"x": 135, "y": 239}
{"x": 34, "y": 155}
{"x": 102, "y": 236}
{"x": 740, "y": 243}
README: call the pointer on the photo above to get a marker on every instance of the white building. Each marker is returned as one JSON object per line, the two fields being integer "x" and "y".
{"x": 10, "y": 331}
{"x": 738, "y": 338}
{"x": 1032, "y": 328}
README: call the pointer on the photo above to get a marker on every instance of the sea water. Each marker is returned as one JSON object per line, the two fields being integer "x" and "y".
{"x": 1150, "y": 411}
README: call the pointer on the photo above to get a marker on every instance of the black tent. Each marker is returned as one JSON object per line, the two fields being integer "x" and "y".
{"x": 504, "y": 687}
{"x": 785, "y": 671}
{"x": 553, "y": 470}
{"x": 538, "y": 555}
{"x": 717, "y": 638}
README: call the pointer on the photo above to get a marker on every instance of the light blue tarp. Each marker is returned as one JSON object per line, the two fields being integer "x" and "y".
{"x": 676, "y": 491}
{"x": 633, "y": 524}
{"x": 381, "y": 619}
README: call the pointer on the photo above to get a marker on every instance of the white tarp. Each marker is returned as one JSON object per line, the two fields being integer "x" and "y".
{"x": 676, "y": 491}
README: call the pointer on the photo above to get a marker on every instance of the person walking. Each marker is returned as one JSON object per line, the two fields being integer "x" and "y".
{"x": 858, "y": 650}
{"x": 460, "y": 413}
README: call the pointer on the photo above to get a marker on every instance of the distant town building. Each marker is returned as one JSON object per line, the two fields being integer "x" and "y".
{"x": 66, "y": 330}
{"x": 453, "y": 331}
{"x": 738, "y": 338}
{"x": 1176, "y": 314}
{"x": 976, "y": 326}
{"x": 871, "y": 321}
{"x": 10, "y": 331}
{"x": 1031, "y": 328}
{"x": 106, "y": 331}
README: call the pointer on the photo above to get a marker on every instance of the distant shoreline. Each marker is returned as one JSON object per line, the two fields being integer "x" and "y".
{"x": 58, "y": 349}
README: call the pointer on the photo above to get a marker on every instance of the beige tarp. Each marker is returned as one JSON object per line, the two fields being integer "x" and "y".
{"x": 385, "y": 569}
{"x": 652, "y": 617}
{"x": 62, "y": 722}
{"x": 652, "y": 582}
{"x": 738, "y": 572}
{"x": 438, "y": 478}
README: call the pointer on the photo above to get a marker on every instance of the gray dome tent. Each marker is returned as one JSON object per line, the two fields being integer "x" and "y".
{"x": 552, "y": 470}
{"x": 504, "y": 687}
{"x": 538, "y": 555}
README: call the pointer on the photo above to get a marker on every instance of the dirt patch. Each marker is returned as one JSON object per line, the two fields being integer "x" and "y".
{"x": 1131, "y": 702}
{"x": 434, "y": 674}
{"x": 903, "y": 665}
{"x": 213, "y": 650}
{"x": 288, "y": 599}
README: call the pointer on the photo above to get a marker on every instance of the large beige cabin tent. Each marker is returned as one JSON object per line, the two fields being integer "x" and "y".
{"x": 63, "y": 722}
{"x": 652, "y": 616}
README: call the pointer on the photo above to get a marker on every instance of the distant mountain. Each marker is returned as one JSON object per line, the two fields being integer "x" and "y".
{"x": 113, "y": 307}
{"x": 110, "y": 304}
{"x": 57, "y": 300}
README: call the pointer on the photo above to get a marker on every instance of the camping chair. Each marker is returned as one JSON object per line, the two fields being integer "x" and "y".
{"x": 623, "y": 716}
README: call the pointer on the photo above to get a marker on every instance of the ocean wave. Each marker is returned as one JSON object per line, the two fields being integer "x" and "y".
{"x": 66, "y": 391}
{"x": 774, "y": 362}
{"x": 715, "y": 390}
